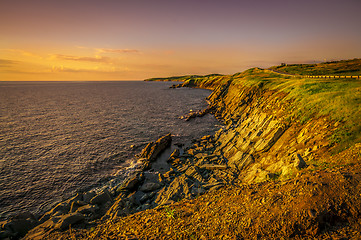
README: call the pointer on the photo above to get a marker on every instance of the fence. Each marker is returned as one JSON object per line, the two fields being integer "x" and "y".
{"x": 326, "y": 76}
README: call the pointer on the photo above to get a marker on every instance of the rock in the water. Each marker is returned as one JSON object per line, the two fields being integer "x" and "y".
{"x": 101, "y": 198}
{"x": 59, "y": 209}
{"x": 153, "y": 149}
{"x": 75, "y": 205}
{"x": 133, "y": 182}
{"x": 68, "y": 219}
{"x": 86, "y": 209}
{"x": 174, "y": 155}
{"x": 88, "y": 196}
{"x": 18, "y": 227}
{"x": 150, "y": 187}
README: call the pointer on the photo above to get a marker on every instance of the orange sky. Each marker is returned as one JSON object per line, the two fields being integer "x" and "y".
{"x": 134, "y": 40}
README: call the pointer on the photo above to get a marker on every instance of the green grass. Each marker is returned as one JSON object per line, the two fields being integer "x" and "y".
{"x": 344, "y": 67}
{"x": 338, "y": 99}
{"x": 169, "y": 213}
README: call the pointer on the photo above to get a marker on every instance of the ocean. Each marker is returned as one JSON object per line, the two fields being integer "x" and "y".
{"x": 57, "y": 138}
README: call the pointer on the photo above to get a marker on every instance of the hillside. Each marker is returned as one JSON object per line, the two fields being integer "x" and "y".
{"x": 285, "y": 165}
{"x": 345, "y": 67}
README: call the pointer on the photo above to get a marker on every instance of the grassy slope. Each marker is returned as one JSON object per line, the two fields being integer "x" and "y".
{"x": 312, "y": 98}
{"x": 345, "y": 67}
{"x": 339, "y": 99}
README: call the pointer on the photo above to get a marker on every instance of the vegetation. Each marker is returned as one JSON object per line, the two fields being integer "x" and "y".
{"x": 339, "y": 99}
{"x": 345, "y": 67}
{"x": 182, "y": 78}
{"x": 318, "y": 201}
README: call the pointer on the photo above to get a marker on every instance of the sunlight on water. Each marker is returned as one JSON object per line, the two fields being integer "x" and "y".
{"x": 58, "y": 137}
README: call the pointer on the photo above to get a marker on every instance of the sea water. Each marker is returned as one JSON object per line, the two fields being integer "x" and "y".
{"x": 57, "y": 138}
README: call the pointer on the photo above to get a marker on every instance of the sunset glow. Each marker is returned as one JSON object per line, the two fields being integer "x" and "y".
{"x": 134, "y": 40}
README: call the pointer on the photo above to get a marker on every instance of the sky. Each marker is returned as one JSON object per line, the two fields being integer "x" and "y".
{"x": 87, "y": 40}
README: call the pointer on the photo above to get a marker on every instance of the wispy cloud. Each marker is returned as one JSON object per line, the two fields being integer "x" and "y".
{"x": 7, "y": 62}
{"x": 82, "y": 70}
{"x": 22, "y": 52}
{"x": 110, "y": 50}
{"x": 98, "y": 59}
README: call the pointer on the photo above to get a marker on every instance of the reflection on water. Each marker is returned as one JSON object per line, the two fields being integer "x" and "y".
{"x": 59, "y": 137}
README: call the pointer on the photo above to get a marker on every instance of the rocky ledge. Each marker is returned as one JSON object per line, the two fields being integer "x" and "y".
{"x": 188, "y": 175}
{"x": 268, "y": 174}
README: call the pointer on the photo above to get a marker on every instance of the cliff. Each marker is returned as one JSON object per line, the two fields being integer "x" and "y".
{"x": 285, "y": 165}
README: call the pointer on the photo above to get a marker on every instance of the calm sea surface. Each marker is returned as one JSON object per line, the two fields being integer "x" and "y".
{"x": 59, "y": 137}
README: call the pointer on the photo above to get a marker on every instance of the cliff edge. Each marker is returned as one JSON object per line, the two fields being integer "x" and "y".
{"x": 285, "y": 165}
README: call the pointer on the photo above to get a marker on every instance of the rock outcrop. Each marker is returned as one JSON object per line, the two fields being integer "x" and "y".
{"x": 258, "y": 143}
{"x": 153, "y": 149}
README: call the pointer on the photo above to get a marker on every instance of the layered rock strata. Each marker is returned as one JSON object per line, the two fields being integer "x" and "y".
{"x": 259, "y": 142}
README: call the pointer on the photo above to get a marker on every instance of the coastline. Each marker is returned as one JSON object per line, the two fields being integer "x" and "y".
{"x": 267, "y": 173}
{"x": 19, "y": 224}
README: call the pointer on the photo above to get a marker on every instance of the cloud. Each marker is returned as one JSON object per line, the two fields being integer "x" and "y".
{"x": 6, "y": 62}
{"x": 121, "y": 51}
{"x": 82, "y": 70}
{"x": 98, "y": 59}
{"x": 22, "y": 52}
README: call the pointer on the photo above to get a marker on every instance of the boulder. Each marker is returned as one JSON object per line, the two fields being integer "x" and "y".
{"x": 59, "y": 209}
{"x": 298, "y": 163}
{"x": 153, "y": 149}
{"x": 18, "y": 227}
{"x": 87, "y": 209}
{"x": 133, "y": 182}
{"x": 149, "y": 187}
{"x": 75, "y": 205}
{"x": 69, "y": 219}
{"x": 174, "y": 155}
{"x": 197, "y": 191}
{"x": 179, "y": 188}
{"x": 88, "y": 196}
{"x": 101, "y": 198}
{"x": 6, "y": 234}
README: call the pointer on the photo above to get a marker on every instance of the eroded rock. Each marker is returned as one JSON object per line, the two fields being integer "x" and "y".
{"x": 101, "y": 198}
{"x": 68, "y": 220}
{"x": 299, "y": 163}
{"x": 153, "y": 149}
{"x": 149, "y": 187}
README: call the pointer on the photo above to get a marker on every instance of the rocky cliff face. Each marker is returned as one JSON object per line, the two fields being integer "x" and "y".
{"x": 261, "y": 141}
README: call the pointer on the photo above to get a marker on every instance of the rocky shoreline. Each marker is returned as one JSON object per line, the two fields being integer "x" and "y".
{"x": 155, "y": 181}
{"x": 261, "y": 144}
{"x": 152, "y": 181}
{"x": 209, "y": 164}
